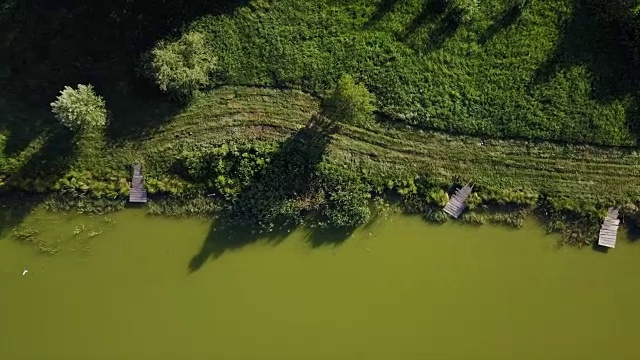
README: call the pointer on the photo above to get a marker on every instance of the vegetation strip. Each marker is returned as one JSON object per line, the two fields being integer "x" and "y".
{"x": 576, "y": 178}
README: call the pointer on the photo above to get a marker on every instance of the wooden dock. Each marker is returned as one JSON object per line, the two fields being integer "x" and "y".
{"x": 457, "y": 202}
{"x": 609, "y": 229}
{"x": 137, "y": 191}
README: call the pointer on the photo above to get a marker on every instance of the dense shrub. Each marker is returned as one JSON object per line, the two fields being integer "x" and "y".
{"x": 165, "y": 185}
{"x": 347, "y": 198}
{"x": 184, "y": 206}
{"x": 275, "y": 186}
{"x": 183, "y": 66}
{"x": 79, "y": 108}
{"x": 438, "y": 197}
{"x": 77, "y": 183}
{"x": 226, "y": 170}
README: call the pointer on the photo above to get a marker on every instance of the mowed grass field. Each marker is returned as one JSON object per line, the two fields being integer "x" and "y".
{"x": 250, "y": 115}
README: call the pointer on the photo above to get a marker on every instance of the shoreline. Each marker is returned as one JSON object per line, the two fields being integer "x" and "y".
{"x": 577, "y": 231}
{"x": 245, "y": 129}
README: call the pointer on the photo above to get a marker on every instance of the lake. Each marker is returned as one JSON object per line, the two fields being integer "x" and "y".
{"x": 120, "y": 288}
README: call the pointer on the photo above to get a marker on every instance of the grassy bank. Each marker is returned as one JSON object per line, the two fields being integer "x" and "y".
{"x": 238, "y": 149}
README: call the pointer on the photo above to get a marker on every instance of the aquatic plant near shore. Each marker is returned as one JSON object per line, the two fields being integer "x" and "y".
{"x": 29, "y": 235}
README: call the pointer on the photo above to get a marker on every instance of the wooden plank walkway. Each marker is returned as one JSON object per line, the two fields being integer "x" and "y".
{"x": 609, "y": 229}
{"x": 457, "y": 202}
{"x": 137, "y": 191}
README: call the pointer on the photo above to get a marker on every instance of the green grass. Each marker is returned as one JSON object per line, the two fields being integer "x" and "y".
{"x": 239, "y": 115}
{"x": 508, "y": 100}
{"x": 233, "y": 115}
{"x": 549, "y": 71}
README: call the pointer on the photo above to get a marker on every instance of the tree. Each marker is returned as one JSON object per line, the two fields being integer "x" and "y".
{"x": 183, "y": 66}
{"x": 349, "y": 102}
{"x": 79, "y": 108}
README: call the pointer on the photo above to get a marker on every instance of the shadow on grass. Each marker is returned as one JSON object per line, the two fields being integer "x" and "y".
{"x": 446, "y": 25}
{"x": 22, "y": 122}
{"x": 135, "y": 118}
{"x": 45, "y": 167}
{"x": 332, "y": 237}
{"x": 48, "y": 44}
{"x": 45, "y": 45}
{"x": 383, "y": 8}
{"x": 39, "y": 173}
{"x": 606, "y": 48}
{"x": 507, "y": 20}
{"x": 268, "y": 208}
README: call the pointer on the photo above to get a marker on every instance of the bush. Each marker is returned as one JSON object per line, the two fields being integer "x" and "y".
{"x": 79, "y": 108}
{"x": 474, "y": 201}
{"x": 346, "y": 198}
{"x": 438, "y": 197}
{"x": 225, "y": 170}
{"x": 350, "y": 103}
{"x": 183, "y": 66}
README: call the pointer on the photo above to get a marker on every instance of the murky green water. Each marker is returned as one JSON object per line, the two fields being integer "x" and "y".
{"x": 400, "y": 289}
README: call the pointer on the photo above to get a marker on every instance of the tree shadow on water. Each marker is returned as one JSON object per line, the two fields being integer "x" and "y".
{"x": 599, "y": 248}
{"x": 14, "y": 208}
{"x": 319, "y": 237}
{"x": 270, "y": 207}
{"x": 632, "y": 230}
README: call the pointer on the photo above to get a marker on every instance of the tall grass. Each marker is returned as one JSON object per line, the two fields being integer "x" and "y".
{"x": 533, "y": 71}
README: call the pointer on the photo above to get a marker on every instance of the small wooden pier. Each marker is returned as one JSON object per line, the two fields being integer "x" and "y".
{"x": 609, "y": 229}
{"x": 457, "y": 202}
{"x": 137, "y": 191}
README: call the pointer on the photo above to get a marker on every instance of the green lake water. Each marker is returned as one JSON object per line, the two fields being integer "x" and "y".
{"x": 400, "y": 289}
